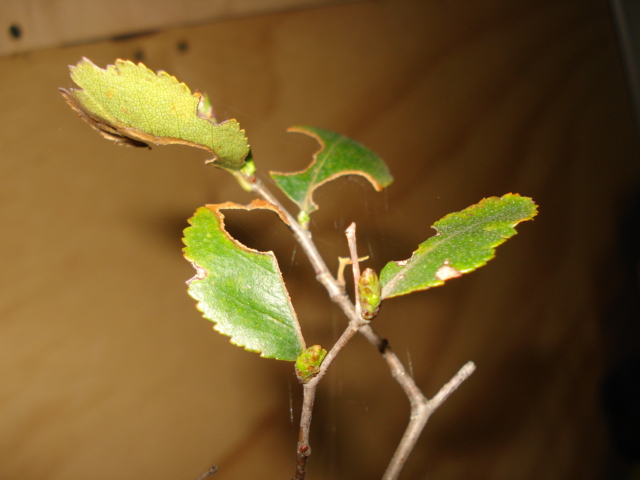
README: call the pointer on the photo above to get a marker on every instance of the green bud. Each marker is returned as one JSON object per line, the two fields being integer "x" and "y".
{"x": 246, "y": 175}
{"x": 308, "y": 363}
{"x": 304, "y": 218}
{"x": 369, "y": 290}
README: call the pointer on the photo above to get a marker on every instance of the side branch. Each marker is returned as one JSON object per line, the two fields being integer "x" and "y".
{"x": 421, "y": 411}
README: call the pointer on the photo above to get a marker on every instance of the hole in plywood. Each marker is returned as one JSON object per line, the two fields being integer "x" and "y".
{"x": 15, "y": 31}
{"x": 182, "y": 46}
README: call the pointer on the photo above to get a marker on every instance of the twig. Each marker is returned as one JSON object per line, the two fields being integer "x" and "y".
{"x": 355, "y": 264}
{"x": 421, "y": 411}
{"x": 310, "y": 388}
{"x": 303, "y": 237}
{"x": 212, "y": 471}
{"x": 304, "y": 449}
{"x": 339, "y": 296}
{"x": 309, "y": 393}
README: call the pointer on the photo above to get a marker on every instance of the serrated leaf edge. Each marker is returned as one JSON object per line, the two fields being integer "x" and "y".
{"x": 312, "y": 205}
{"x": 129, "y": 135}
{"x": 201, "y": 272}
{"x": 446, "y": 271}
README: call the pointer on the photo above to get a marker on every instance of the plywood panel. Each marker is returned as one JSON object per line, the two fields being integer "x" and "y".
{"x": 34, "y": 24}
{"x": 109, "y": 371}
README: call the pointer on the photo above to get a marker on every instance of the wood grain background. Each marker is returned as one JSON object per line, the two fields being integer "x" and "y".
{"x": 31, "y": 25}
{"x": 109, "y": 372}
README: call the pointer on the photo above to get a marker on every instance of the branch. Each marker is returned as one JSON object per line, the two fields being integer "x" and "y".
{"x": 355, "y": 264}
{"x": 304, "y": 450}
{"x": 309, "y": 393}
{"x": 303, "y": 237}
{"x": 421, "y": 407}
{"x": 339, "y": 296}
{"x": 212, "y": 471}
{"x": 310, "y": 388}
{"x": 421, "y": 411}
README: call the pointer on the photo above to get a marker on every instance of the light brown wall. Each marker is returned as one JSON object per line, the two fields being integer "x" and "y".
{"x": 107, "y": 371}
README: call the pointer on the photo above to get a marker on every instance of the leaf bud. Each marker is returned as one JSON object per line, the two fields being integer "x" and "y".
{"x": 308, "y": 363}
{"x": 369, "y": 290}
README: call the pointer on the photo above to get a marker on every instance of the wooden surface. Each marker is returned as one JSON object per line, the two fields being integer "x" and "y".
{"x": 35, "y": 24}
{"x": 109, "y": 372}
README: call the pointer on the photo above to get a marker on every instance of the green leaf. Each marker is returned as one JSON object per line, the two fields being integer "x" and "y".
{"x": 134, "y": 106}
{"x": 465, "y": 241}
{"x": 240, "y": 289}
{"x": 338, "y": 156}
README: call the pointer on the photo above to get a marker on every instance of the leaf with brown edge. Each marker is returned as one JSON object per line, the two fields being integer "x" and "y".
{"x": 134, "y": 106}
{"x": 338, "y": 156}
{"x": 465, "y": 241}
{"x": 240, "y": 289}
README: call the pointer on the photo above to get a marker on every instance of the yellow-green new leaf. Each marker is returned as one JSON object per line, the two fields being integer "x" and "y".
{"x": 134, "y": 106}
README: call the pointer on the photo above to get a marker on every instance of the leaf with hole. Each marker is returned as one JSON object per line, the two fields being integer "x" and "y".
{"x": 465, "y": 241}
{"x": 338, "y": 156}
{"x": 240, "y": 289}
